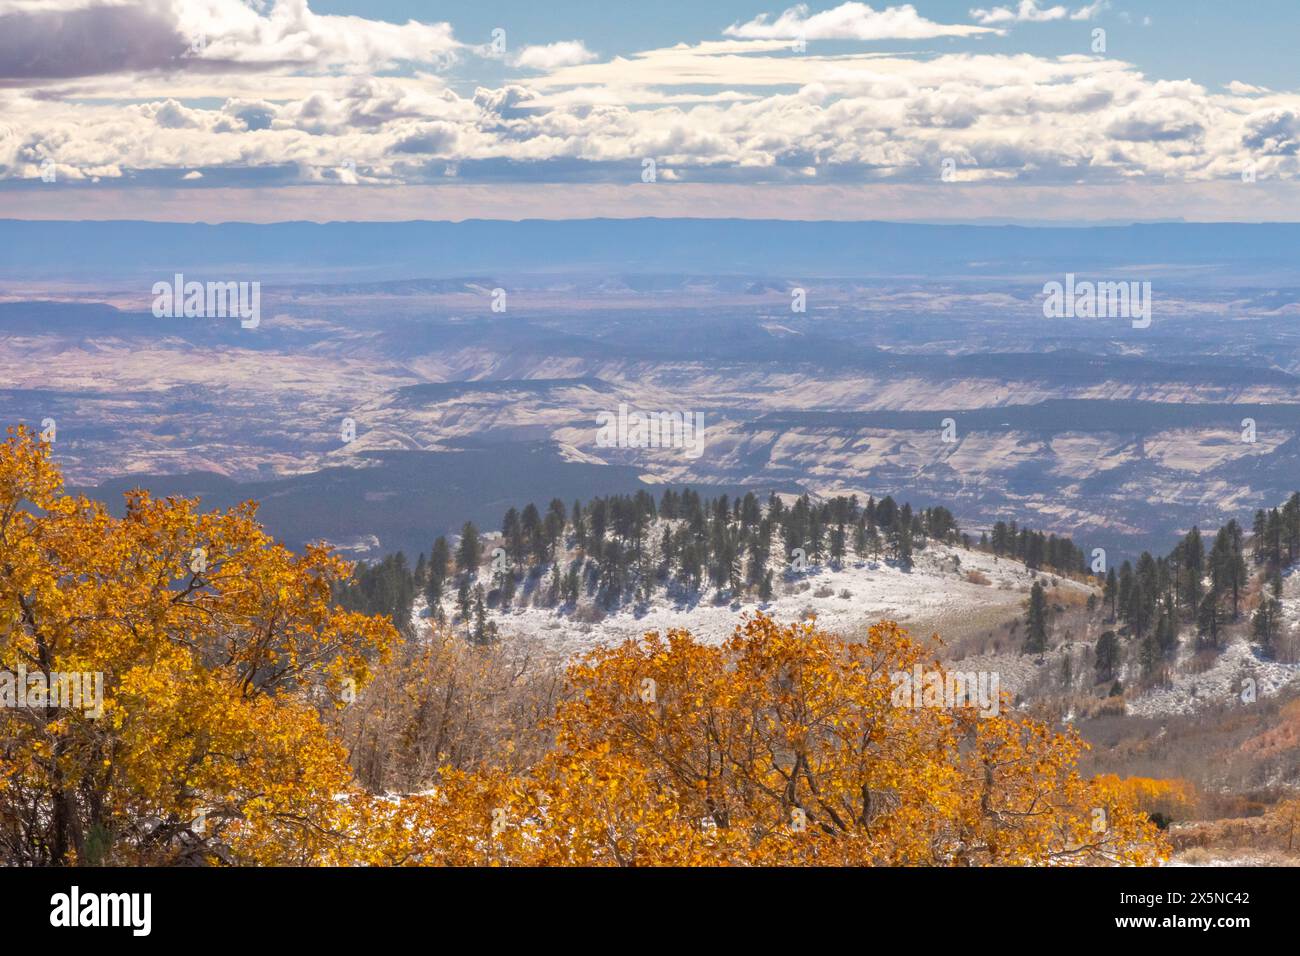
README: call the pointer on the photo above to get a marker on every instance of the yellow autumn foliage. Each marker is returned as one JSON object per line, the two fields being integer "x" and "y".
{"x": 779, "y": 747}
{"x": 1170, "y": 797}
{"x": 215, "y": 646}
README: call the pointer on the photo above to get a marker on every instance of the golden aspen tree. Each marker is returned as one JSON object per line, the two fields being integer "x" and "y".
{"x": 214, "y": 646}
{"x": 782, "y": 746}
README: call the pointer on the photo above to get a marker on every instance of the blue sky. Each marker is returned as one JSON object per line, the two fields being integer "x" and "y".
{"x": 992, "y": 109}
{"x": 1211, "y": 41}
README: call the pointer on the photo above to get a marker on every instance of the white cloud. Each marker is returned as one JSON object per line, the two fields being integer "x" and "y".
{"x": 1092, "y": 9}
{"x": 1246, "y": 89}
{"x": 1273, "y": 132}
{"x": 849, "y": 21}
{"x": 292, "y": 34}
{"x": 57, "y": 6}
{"x": 551, "y": 56}
{"x": 276, "y": 108}
{"x": 75, "y": 38}
{"x": 1028, "y": 11}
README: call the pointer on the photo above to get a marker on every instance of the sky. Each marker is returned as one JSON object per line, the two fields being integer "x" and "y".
{"x": 1020, "y": 110}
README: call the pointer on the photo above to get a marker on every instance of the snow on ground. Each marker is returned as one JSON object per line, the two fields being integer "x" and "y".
{"x": 1222, "y": 683}
{"x": 1291, "y": 598}
{"x": 1018, "y": 672}
{"x": 1207, "y": 858}
{"x": 934, "y": 597}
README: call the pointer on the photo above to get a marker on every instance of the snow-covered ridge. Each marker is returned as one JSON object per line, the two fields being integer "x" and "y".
{"x": 940, "y": 594}
{"x": 943, "y": 594}
{"x": 1232, "y": 673}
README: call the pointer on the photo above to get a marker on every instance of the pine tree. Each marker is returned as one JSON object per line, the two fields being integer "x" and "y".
{"x": 837, "y": 545}
{"x": 1036, "y": 621}
{"x": 1167, "y": 629}
{"x": 1291, "y": 527}
{"x": 1124, "y": 592}
{"x": 1273, "y": 537}
{"x": 1151, "y": 653}
{"x": 436, "y": 571}
{"x": 1111, "y": 592}
{"x": 553, "y": 526}
{"x": 1209, "y": 620}
{"x": 1192, "y": 561}
{"x": 480, "y": 617}
{"x": 512, "y": 536}
{"x": 1106, "y": 657}
{"x": 463, "y": 603}
{"x": 1238, "y": 574}
{"x": 1259, "y": 535}
{"x": 1264, "y": 622}
{"x": 530, "y": 527}
{"x": 470, "y": 550}
{"x": 580, "y": 527}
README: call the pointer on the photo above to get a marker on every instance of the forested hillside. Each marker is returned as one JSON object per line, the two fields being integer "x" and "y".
{"x": 626, "y": 549}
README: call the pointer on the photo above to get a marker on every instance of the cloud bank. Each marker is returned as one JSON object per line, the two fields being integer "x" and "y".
{"x": 207, "y": 94}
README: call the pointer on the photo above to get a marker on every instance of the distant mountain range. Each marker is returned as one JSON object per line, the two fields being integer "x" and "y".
{"x": 349, "y": 251}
